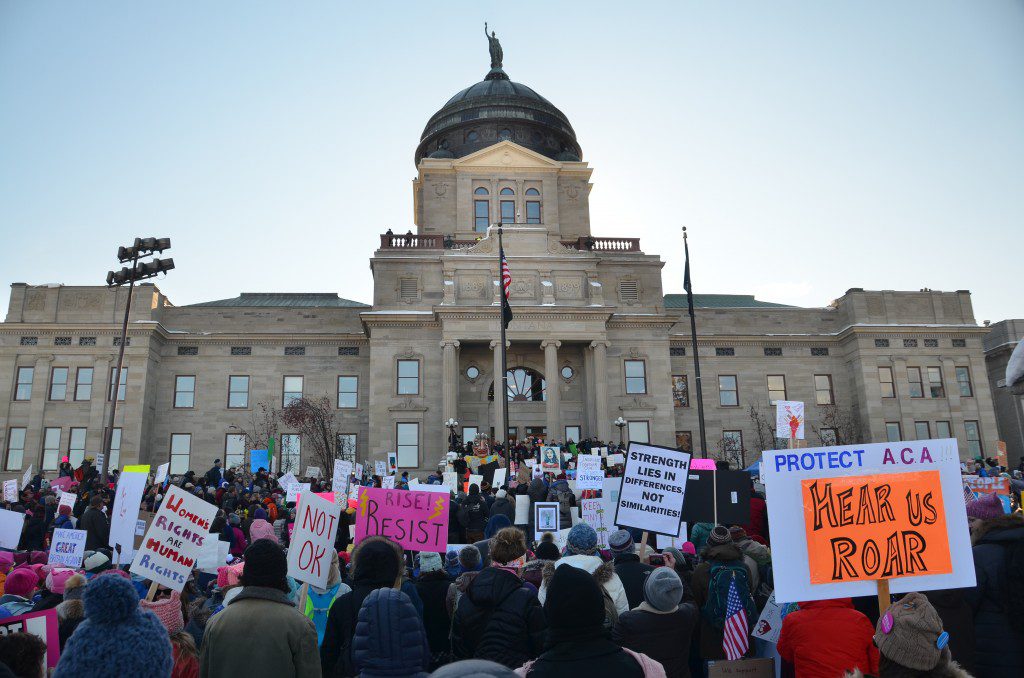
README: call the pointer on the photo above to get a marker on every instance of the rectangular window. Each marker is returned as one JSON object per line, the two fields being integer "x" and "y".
{"x": 728, "y": 391}
{"x": 943, "y": 429}
{"x": 115, "y": 450}
{"x": 684, "y": 441}
{"x": 676, "y": 351}
{"x": 482, "y": 215}
{"x": 931, "y": 343}
{"x": 773, "y": 351}
{"x": 23, "y": 390}
{"x": 346, "y": 446}
{"x": 184, "y": 391}
{"x": 83, "y": 383}
{"x": 348, "y": 391}
{"x": 910, "y": 343}
{"x": 959, "y": 343}
{"x": 234, "y": 450}
{"x": 295, "y": 350}
{"x": 892, "y": 431}
{"x": 15, "y": 448}
{"x": 732, "y": 444}
{"x": 407, "y": 435}
{"x": 87, "y": 341}
{"x": 122, "y": 384}
{"x": 963, "y": 381}
{"x": 725, "y": 351}
{"x": 823, "y": 394}
{"x": 532, "y": 212}
{"x": 828, "y": 436}
{"x": 776, "y": 388}
{"x": 881, "y": 343}
{"x": 292, "y": 390}
{"x": 291, "y": 452}
{"x": 58, "y": 383}
{"x": 885, "y": 382}
{"x": 241, "y": 350}
{"x": 935, "y": 387}
{"x": 76, "y": 447}
{"x": 636, "y": 376}
{"x": 238, "y": 392}
{"x": 680, "y": 390}
{"x": 508, "y": 211}
{"x": 819, "y": 351}
{"x": 638, "y": 431}
{"x": 51, "y": 449}
{"x": 181, "y": 449}
{"x": 973, "y": 438}
{"x": 916, "y": 386}
{"x": 408, "y": 377}
{"x": 572, "y": 433}
{"x": 921, "y": 430}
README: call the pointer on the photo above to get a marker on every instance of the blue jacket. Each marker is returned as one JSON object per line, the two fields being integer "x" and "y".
{"x": 999, "y": 645}
{"x": 389, "y": 638}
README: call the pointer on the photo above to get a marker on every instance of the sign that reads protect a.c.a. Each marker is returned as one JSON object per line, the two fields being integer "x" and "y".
{"x": 417, "y": 521}
{"x": 653, "y": 489}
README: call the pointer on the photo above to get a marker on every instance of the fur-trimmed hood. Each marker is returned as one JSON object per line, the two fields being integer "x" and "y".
{"x": 944, "y": 670}
{"x": 602, "y": 575}
{"x": 981, "y": 529}
{"x": 70, "y": 609}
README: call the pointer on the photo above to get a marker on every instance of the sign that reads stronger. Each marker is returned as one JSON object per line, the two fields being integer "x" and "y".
{"x": 653, "y": 487}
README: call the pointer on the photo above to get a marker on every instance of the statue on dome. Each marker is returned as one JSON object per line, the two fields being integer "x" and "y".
{"x": 495, "y": 48}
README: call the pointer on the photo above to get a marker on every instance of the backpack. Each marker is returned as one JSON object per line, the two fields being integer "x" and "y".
{"x": 721, "y": 576}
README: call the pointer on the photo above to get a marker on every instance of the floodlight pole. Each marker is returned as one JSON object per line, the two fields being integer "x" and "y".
{"x": 108, "y": 438}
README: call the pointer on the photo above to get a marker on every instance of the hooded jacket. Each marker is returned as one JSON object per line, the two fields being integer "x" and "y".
{"x": 603, "y": 572}
{"x": 662, "y": 636}
{"x": 847, "y": 644}
{"x": 504, "y": 506}
{"x": 389, "y": 638}
{"x": 999, "y": 644}
{"x": 537, "y": 491}
{"x": 433, "y": 591}
{"x": 710, "y": 637}
{"x": 633, "y": 575}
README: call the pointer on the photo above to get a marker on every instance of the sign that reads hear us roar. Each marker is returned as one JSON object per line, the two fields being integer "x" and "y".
{"x": 875, "y": 527}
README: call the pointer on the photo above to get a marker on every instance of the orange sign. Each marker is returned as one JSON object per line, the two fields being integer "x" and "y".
{"x": 875, "y": 527}
{"x": 1001, "y": 453}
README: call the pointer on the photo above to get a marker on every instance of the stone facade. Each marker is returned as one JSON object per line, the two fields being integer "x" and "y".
{"x": 1002, "y": 338}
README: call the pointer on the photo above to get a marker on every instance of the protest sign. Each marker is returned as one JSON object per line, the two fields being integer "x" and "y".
{"x": 549, "y": 459}
{"x": 392, "y": 462}
{"x": 312, "y": 471}
{"x": 742, "y": 668}
{"x": 701, "y": 464}
{"x": 259, "y": 459}
{"x": 286, "y": 480}
{"x": 789, "y": 419}
{"x": 522, "y": 516}
{"x": 136, "y": 468}
{"x": 417, "y": 521}
{"x": 589, "y": 475}
{"x": 474, "y": 479}
{"x": 99, "y": 463}
{"x": 140, "y": 528}
{"x": 125, "y": 512}
{"x": 27, "y": 477}
{"x": 594, "y": 514}
{"x": 342, "y": 471}
{"x": 380, "y": 468}
{"x": 600, "y": 451}
{"x": 312, "y": 541}
{"x": 538, "y": 471}
{"x": 769, "y": 624}
{"x": 546, "y": 518}
{"x": 664, "y": 541}
{"x": 67, "y": 547}
{"x": 653, "y": 489}
{"x": 423, "y": 487}
{"x": 43, "y": 624}
{"x": 450, "y": 479}
{"x": 895, "y": 526}
{"x": 353, "y": 492}
{"x": 1001, "y": 453}
{"x": 616, "y": 459}
{"x": 11, "y": 491}
{"x": 498, "y": 480}
{"x": 67, "y": 499}
{"x": 161, "y": 472}
{"x": 11, "y": 523}
{"x": 293, "y": 491}
{"x": 388, "y": 482}
{"x": 62, "y": 483}
{"x": 997, "y": 486}
{"x": 208, "y": 556}
{"x": 717, "y": 497}
{"x": 174, "y": 539}
{"x": 359, "y": 472}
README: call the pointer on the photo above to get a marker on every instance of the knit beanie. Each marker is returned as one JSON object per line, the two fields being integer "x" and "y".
{"x": 430, "y": 562}
{"x": 663, "y": 589}
{"x": 74, "y": 587}
{"x": 508, "y": 546}
{"x": 574, "y": 603}
{"x": 474, "y": 668}
{"x": 57, "y": 579}
{"x": 620, "y": 541}
{"x": 95, "y": 562}
{"x": 229, "y": 575}
{"x": 265, "y": 565}
{"x": 168, "y": 611}
{"x": 6, "y": 561}
{"x": 451, "y": 560}
{"x": 910, "y": 633}
{"x": 469, "y": 558}
{"x": 689, "y": 548}
{"x": 261, "y": 529}
{"x": 259, "y": 514}
{"x": 21, "y": 581}
{"x": 547, "y": 550}
{"x": 984, "y": 507}
{"x": 737, "y": 533}
{"x": 719, "y": 536}
{"x": 582, "y": 540}
{"x": 64, "y": 510}
{"x": 117, "y": 636}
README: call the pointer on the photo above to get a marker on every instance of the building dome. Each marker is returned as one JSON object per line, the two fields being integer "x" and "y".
{"x": 493, "y": 110}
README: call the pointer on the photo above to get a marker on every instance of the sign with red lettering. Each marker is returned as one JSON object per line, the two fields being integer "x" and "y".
{"x": 174, "y": 539}
{"x": 316, "y": 524}
{"x": 417, "y": 521}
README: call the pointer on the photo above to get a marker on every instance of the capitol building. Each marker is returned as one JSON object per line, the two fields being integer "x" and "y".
{"x": 596, "y": 341}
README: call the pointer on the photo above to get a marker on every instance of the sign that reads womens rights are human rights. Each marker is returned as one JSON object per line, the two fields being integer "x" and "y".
{"x": 175, "y": 539}
{"x": 653, "y": 488}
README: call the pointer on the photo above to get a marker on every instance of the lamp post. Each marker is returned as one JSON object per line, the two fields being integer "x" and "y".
{"x": 141, "y": 248}
{"x": 621, "y": 423}
{"x": 451, "y": 424}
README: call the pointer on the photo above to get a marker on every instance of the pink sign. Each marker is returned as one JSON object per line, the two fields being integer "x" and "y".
{"x": 42, "y": 624}
{"x": 417, "y": 521}
{"x": 702, "y": 464}
{"x": 329, "y": 496}
{"x": 62, "y": 483}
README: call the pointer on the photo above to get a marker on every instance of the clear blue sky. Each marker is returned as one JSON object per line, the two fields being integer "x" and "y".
{"x": 810, "y": 146}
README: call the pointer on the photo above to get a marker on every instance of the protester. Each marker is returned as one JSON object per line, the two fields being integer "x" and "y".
{"x": 473, "y": 668}
{"x": 847, "y": 645}
{"x": 473, "y": 514}
{"x": 657, "y": 625}
{"x": 631, "y": 572}
{"x": 957, "y": 618}
{"x": 504, "y": 505}
{"x": 23, "y": 654}
{"x": 723, "y": 563}
{"x": 18, "y": 590}
{"x": 581, "y": 545}
{"x": 911, "y": 642}
{"x": 470, "y": 565}
{"x": 53, "y": 594}
{"x": 432, "y": 586}
{"x": 998, "y": 598}
{"x": 315, "y": 602}
{"x": 183, "y": 647}
{"x": 389, "y": 638}
{"x": 71, "y": 612}
{"x": 494, "y": 523}
{"x": 95, "y": 524}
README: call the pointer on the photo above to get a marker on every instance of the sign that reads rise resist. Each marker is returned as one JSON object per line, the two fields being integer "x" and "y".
{"x": 653, "y": 488}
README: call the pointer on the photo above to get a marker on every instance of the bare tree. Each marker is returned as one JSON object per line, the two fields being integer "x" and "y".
{"x": 316, "y": 421}
{"x": 732, "y": 451}
{"x": 764, "y": 429}
{"x": 262, "y": 426}
{"x": 838, "y": 426}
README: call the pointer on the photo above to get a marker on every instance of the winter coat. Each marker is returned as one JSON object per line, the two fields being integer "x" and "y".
{"x": 432, "y": 588}
{"x": 70, "y": 614}
{"x": 457, "y": 589}
{"x": 537, "y": 491}
{"x": 957, "y": 620}
{"x": 498, "y": 619}
{"x": 999, "y": 647}
{"x": 946, "y": 669}
{"x": 758, "y": 519}
{"x": 389, "y": 638}
{"x": 33, "y": 533}
{"x": 97, "y": 528}
{"x": 711, "y": 637}
{"x": 699, "y": 534}
{"x": 633, "y": 575}
{"x": 505, "y": 506}
{"x": 602, "y": 571}
{"x": 826, "y": 637}
{"x": 260, "y": 633}
{"x": 591, "y": 657}
{"x": 662, "y": 636}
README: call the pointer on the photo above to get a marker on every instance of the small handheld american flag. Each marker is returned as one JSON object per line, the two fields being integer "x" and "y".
{"x": 735, "y": 641}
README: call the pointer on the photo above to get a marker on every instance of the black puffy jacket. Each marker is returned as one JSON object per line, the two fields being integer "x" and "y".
{"x": 498, "y": 619}
{"x": 633, "y": 575}
{"x": 999, "y": 646}
{"x": 433, "y": 589}
{"x": 662, "y": 636}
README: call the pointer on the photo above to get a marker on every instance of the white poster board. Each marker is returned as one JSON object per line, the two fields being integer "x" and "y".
{"x": 125, "y": 512}
{"x": 783, "y": 471}
{"x": 499, "y": 477}
{"x": 388, "y": 482}
{"x": 294, "y": 490}
{"x": 27, "y": 478}
{"x": 769, "y": 624}
{"x": 174, "y": 539}
{"x": 653, "y": 488}
{"x": 475, "y": 479}
{"x": 67, "y": 548}
{"x": 286, "y": 480}
{"x": 67, "y": 499}
{"x": 616, "y": 459}
{"x": 421, "y": 487}
{"x": 546, "y": 518}
{"x": 11, "y": 491}
{"x": 359, "y": 472}
{"x": 538, "y": 471}
{"x": 522, "y": 510}
{"x": 392, "y": 462}
{"x": 594, "y": 514}
{"x": 161, "y": 472}
{"x": 11, "y": 523}
{"x": 549, "y": 459}
{"x": 342, "y": 471}
{"x": 100, "y": 459}
{"x": 380, "y": 468}
{"x": 589, "y": 475}
{"x": 450, "y": 479}
{"x": 789, "y": 419}
{"x": 316, "y": 524}
{"x": 665, "y": 541}
{"x": 312, "y": 471}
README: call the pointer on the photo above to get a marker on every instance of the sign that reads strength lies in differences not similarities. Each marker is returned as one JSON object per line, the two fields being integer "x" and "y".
{"x": 653, "y": 489}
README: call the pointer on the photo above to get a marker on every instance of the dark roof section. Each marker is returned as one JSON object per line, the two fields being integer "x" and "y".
{"x": 284, "y": 300}
{"x": 721, "y": 301}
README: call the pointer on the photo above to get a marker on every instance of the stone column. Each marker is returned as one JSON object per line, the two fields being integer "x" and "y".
{"x": 450, "y": 380}
{"x": 603, "y": 415}
{"x": 553, "y": 396}
{"x": 499, "y": 415}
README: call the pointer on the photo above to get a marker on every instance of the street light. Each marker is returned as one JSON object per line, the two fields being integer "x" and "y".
{"x": 451, "y": 424}
{"x": 621, "y": 423}
{"x": 140, "y": 270}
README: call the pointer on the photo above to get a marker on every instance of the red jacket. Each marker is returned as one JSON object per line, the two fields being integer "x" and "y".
{"x": 758, "y": 519}
{"x": 824, "y": 638}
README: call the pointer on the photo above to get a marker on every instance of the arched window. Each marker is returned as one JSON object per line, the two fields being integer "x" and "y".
{"x": 533, "y": 206}
{"x": 481, "y": 211}
{"x": 480, "y": 191}
{"x": 524, "y": 385}
{"x": 532, "y": 191}
{"x": 508, "y": 207}
{"x": 507, "y": 191}
{"x": 505, "y": 134}
{"x": 472, "y": 136}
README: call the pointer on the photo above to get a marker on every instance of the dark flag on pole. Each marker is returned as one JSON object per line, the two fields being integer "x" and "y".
{"x": 506, "y": 282}
{"x": 686, "y": 280}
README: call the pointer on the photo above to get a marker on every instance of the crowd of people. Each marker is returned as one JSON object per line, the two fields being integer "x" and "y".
{"x": 499, "y": 604}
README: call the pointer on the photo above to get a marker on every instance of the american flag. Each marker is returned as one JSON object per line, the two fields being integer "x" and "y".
{"x": 735, "y": 642}
{"x": 506, "y": 282}
{"x": 968, "y": 493}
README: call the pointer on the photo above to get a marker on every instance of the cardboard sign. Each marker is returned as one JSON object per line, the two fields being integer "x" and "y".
{"x": 259, "y": 459}
{"x": 286, "y": 480}
{"x": 498, "y": 480}
{"x": 522, "y": 510}
{"x": 174, "y": 539}
{"x": 549, "y": 459}
{"x": 11, "y": 491}
{"x": 589, "y": 475}
{"x": 43, "y": 624}
{"x": 789, "y": 419}
{"x": 784, "y": 472}
{"x": 769, "y": 624}
{"x": 653, "y": 489}
{"x": 161, "y": 472}
{"x": 312, "y": 471}
{"x": 417, "y": 521}
{"x": 126, "y": 511}
{"x": 100, "y": 458}
{"x": 546, "y": 518}
{"x": 388, "y": 482}
{"x": 312, "y": 541}
{"x": 744, "y": 668}
{"x": 731, "y": 489}
{"x": 67, "y": 499}
{"x": 342, "y": 471}
{"x": 27, "y": 477}
{"x": 392, "y": 462}
{"x": 67, "y": 547}
{"x": 1001, "y": 453}
{"x": 593, "y": 514}
{"x": 380, "y": 468}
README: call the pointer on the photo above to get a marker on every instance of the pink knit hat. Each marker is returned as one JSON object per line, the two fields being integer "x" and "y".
{"x": 229, "y": 575}
{"x": 984, "y": 507}
{"x": 6, "y": 561}
{"x": 40, "y": 570}
{"x": 168, "y": 611}
{"x": 57, "y": 578}
{"x": 261, "y": 529}
{"x": 689, "y": 548}
{"x": 21, "y": 581}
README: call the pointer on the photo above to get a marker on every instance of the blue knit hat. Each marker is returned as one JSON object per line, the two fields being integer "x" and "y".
{"x": 582, "y": 540}
{"x": 116, "y": 637}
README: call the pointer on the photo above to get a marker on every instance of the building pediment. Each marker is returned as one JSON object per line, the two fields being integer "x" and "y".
{"x": 506, "y": 155}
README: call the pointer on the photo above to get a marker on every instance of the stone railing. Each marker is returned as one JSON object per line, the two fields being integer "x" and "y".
{"x": 411, "y": 241}
{"x": 593, "y": 244}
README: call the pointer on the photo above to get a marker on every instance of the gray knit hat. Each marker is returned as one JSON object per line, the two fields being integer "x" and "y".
{"x": 719, "y": 535}
{"x": 910, "y": 633}
{"x": 663, "y": 589}
{"x": 469, "y": 557}
{"x": 430, "y": 562}
{"x": 620, "y": 541}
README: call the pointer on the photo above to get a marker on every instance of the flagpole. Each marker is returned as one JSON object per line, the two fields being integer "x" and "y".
{"x": 504, "y": 361}
{"x": 693, "y": 341}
